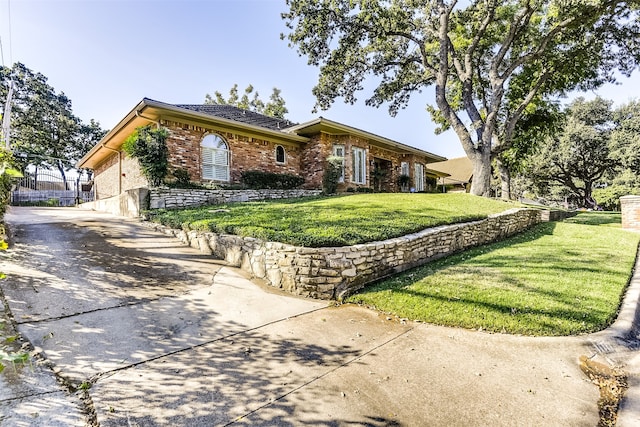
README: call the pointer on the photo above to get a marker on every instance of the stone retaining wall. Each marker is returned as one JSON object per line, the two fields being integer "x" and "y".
{"x": 175, "y": 198}
{"x": 333, "y": 273}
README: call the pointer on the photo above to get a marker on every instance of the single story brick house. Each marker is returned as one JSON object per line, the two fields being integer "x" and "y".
{"x": 216, "y": 143}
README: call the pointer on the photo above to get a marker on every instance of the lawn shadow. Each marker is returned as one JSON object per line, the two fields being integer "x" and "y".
{"x": 596, "y": 218}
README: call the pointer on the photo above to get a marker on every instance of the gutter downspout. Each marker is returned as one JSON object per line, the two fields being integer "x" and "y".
{"x": 104, "y": 145}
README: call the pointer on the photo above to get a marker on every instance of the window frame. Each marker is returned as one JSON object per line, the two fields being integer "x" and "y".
{"x": 359, "y": 172}
{"x": 284, "y": 155}
{"x": 335, "y": 150}
{"x": 211, "y": 154}
{"x": 419, "y": 177}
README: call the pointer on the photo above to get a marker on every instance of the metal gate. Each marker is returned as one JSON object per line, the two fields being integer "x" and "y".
{"x": 48, "y": 188}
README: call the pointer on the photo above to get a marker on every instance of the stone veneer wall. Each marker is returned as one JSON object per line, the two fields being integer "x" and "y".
{"x": 333, "y": 273}
{"x": 175, "y": 198}
{"x": 630, "y": 207}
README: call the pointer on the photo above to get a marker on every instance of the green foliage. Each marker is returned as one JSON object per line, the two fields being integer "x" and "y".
{"x": 335, "y": 220}
{"x": 404, "y": 182}
{"x": 625, "y": 138}
{"x": 275, "y": 107}
{"x": 8, "y": 173}
{"x": 149, "y": 147}
{"x": 625, "y": 183}
{"x": 45, "y": 132}
{"x": 332, "y": 174}
{"x": 377, "y": 178}
{"x": 609, "y": 198}
{"x": 579, "y": 157}
{"x": 364, "y": 190}
{"x": 49, "y": 203}
{"x": 560, "y": 278}
{"x": 268, "y": 180}
{"x": 487, "y": 61}
{"x": 181, "y": 176}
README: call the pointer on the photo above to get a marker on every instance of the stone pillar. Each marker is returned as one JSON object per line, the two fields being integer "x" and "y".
{"x": 630, "y": 207}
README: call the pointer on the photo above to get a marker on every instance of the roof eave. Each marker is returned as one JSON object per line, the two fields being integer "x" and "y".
{"x": 345, "y": 129}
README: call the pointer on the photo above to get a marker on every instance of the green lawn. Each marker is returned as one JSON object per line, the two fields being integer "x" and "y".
{"x": 334, "y": 221}
{"x": 559, "y": 278}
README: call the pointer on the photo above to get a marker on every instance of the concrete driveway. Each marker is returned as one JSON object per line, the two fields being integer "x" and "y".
{"x": 134, "y": 329}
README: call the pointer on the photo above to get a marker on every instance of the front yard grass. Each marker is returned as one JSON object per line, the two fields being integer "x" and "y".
{"x": 336, "y": 220}
{"x": 559, "y": 278}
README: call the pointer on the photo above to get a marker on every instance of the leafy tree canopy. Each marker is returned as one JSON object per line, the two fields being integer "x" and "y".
{"x": 251, "y": 101}
{"x": 579, "y": 157}
{"x": 44, "y": 130}
{"x": 488, "y": 60}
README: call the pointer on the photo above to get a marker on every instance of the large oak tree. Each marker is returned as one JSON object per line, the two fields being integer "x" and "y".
{"x": 579, "y": 156}
{"x": 44, "y": 130}
{"x": 488, "y": 60}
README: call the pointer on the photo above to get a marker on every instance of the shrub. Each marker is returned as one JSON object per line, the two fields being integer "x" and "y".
{"x": 364, "y": 190}
{"x": 149, "y": 147}
{"x": 182, "y": 176}
{"x": 259, "y": 180}
{"x": 404, "y": 182}
{"x": 609, "y": 198}
{"x": 332, "y": 173}
{"x": 8, "y": 173}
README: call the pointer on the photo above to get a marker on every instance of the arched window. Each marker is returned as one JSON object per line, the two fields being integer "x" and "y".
{"x": 280, "y": 154}
{"x": 215, "y": 158}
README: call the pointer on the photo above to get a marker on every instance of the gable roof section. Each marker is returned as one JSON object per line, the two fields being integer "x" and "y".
{"x": 329, "y": 126}
{"x": 460, "y": 170}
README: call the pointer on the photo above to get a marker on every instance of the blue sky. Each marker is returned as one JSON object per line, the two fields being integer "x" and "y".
{"x": 106, "y": 55}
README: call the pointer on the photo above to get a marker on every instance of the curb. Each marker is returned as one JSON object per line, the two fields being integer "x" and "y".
{"x": 624, "y": 334}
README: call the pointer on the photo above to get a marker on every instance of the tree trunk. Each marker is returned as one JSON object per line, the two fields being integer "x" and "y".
{"x": 64, "y": 176}
{"x": 505, "y": 180}
{"x": 481, "y": 181}
{"x": 589, "y": 202}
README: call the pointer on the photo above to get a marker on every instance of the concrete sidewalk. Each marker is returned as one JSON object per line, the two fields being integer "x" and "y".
{"x": 163, "y": 335}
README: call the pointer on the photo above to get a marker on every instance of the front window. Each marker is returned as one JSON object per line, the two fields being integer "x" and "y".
{"x": 280, "y": 154}
{"x": 419, "y": 177}
{"x": 215, "y": 158}
{"x": 359, "y": 165}
{"x": 338, "y": 151}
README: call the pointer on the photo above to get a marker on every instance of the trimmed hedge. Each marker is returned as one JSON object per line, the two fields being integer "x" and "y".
{"x": 258, "y": 180}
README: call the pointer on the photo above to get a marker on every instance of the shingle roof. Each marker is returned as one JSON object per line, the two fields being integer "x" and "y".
{"x": 239, "y": 115}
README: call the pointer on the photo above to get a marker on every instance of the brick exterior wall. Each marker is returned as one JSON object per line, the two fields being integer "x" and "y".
{"x": 106, "y": 181}
{"x": 250, "y": 153}
{"x": 112, "y": 177}
{"x": 247, "y": 153}
{"x": 630, "y": 207}
{"x": 131, "y": 175}
{"x": 313, "y": 160}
